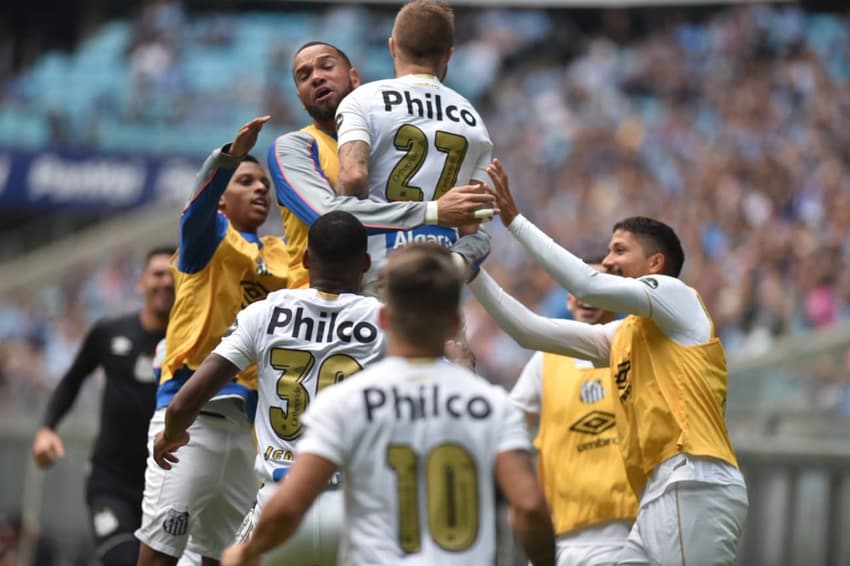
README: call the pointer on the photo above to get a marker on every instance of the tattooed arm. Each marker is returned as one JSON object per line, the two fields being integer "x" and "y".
{"x": 354, "y": 169}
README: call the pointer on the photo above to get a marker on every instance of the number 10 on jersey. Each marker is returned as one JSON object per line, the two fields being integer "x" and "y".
{"x": 451, "y": 487}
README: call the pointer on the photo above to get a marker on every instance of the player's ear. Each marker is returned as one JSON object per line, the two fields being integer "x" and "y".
{"x": 354, "y": 74}
{"x": 391, "y": 43}
{"x": 656, "y": 263}
{"x": 449, "y": 54}
{"x": 305, "y": 259}
{"x": 367, "y": 262}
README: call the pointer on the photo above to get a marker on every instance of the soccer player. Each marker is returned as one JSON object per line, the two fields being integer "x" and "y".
{"x": 412, "y": 138}
{"x": 419, "y": 441}
{"x": 221, "y": 266}
{"x": 579, "y": 463}
{"x": 304, "y": 165}
{"x": 669, "y": 369}
{"x": 124, "y": 348}
{"x": 303, "y": 341}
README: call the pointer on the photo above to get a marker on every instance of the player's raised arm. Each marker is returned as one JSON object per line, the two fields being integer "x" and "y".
{"x": 535, "y": 332}
{"x": 602, "y": 290}
{"x": 201, "y": 228}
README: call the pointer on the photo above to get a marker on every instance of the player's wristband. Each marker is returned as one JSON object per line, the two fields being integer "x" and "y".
{"x": 432, "y": 212}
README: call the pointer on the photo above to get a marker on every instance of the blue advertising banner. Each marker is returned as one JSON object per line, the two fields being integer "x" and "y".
{"x": 59, "y": 180}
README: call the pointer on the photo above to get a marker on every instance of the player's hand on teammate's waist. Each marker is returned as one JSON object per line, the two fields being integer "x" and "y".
{"x": 502, "y": 192}
{"x": 466, "y": 204}
{"x": 164, "y": 449}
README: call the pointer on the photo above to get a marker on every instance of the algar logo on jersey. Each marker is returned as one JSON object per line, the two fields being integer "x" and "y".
{"x": 431, "y": 107}
{"x": 323, "y": 328}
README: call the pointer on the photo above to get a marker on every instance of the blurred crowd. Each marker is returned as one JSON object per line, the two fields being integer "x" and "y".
{"x": 732, "y": 129}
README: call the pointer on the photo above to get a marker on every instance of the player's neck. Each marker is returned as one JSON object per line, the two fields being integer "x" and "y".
{"x": 152, "y": 322}
{"x": 327, "y": 126}
{"x": 335, "y": 286}
{"x": 403, "y": 69}
{"x": 404, "y": 349}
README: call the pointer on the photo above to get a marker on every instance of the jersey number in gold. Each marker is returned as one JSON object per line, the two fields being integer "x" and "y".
{"x": 296, "y": 366}
{"x": 414, "y": 143}
{"x": 451, "y": 484}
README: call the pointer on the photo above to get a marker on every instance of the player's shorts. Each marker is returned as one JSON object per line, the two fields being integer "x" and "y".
{"x": 692, "y": 522}
{"x": 317, "y": 538}
{"x": 113, "y": 520}
{"x": 199, "y": 504}
{"x": 598, "y": 545}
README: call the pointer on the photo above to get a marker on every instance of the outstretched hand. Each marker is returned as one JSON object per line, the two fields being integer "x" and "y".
{"x": 163, "y": 450}
{"x": 246, "y": 137}
{"x": 504, "y": 199}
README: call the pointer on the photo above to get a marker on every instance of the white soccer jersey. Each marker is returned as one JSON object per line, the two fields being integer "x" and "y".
{"x": 424, "y": 138}
{"x": 417, "y": 442}
{"x": 302, "y": 340}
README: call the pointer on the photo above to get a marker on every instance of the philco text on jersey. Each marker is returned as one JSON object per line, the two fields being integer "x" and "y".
{"x": 429, "y": 108}
{"x": 321, "y": 329}
{"x": 427, "y": 404}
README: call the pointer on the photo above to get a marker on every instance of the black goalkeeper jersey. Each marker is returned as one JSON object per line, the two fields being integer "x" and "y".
{"x": 125, "y": 351}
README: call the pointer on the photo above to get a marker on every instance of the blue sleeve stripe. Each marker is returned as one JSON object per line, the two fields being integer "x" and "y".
{"x": 285, "y": 190}
{"x": 200, "y": 192}
{"x": 195, "y": 250}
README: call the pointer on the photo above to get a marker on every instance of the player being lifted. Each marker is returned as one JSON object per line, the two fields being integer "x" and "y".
{"x": 412, "y": 138}
{"x": 304, "y": 164}
{"x": 422, "y": 444}
{"x": 302, "y": 340}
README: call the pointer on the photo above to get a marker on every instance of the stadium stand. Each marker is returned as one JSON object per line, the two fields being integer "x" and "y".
{"x": 728, "y": 123}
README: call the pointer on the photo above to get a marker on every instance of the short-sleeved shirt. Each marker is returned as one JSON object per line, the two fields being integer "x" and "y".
{"x": 302, "y": 340}
{"x": 417, "y": 442}
{"x": 424, "y": 138}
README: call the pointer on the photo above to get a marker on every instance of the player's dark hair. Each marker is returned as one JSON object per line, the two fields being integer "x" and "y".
{"x": 422, "y": 287}
{"x": 251, "y": 158}
{"x": 656, "y": 237}
{"x": 339, "y": 51}
{"x": 337, "y": 237}
{"x": 424, "y": 29}
{"x": 159, "y": 250}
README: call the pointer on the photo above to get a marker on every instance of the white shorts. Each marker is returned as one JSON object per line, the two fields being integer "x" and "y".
{"x": 693, "y": 523}
{"x": 315, "y": 542}
{"x": 599, "y": 545}
{"x": 199, "y": 504}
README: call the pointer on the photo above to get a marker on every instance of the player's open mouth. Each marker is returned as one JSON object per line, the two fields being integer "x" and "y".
{"x": 261, "y": 203}
{"x": 323, "y": 94}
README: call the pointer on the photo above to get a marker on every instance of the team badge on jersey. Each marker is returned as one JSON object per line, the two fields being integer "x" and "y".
{"x": 592, "y": 391}
{"x": 105, "y": 522}
{"x": 121, "y": 346}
